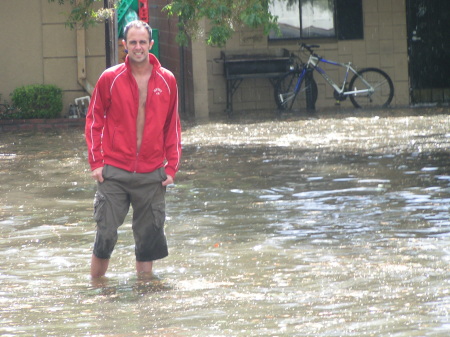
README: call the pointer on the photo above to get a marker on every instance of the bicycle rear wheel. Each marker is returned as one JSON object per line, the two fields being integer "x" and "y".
{"x": 381, "y": 93}
{"x": 288, "y": 100}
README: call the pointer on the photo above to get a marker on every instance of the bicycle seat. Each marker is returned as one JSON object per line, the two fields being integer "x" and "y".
{"x": 309, "y": 46}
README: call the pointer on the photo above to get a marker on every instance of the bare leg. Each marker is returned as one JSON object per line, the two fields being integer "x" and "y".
{"x": 98, "y": 266}
{"x": 144, "y": 268}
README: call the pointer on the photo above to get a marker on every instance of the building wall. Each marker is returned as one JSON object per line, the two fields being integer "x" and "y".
{"x": 39, "y": 49}
{"x": 384, "y": 46}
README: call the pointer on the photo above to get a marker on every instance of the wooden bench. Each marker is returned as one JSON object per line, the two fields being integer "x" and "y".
{"x": 238, "y": 66}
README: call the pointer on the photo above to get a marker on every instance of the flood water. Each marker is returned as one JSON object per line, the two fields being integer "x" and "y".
{"x": 336, "y": 225}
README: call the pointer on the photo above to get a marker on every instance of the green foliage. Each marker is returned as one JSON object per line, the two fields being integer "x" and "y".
{"x": 83, "y": 15}
{"x": 37, "y": 101}
{"x": 224, "y": 16}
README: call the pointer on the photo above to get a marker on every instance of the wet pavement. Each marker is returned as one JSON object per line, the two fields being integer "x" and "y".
{"x": 333, "y": 224}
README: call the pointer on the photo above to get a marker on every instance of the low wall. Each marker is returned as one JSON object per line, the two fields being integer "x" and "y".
{"x": 40, "y": 124}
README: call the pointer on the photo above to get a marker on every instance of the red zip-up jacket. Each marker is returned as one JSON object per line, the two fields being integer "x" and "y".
{"x": 111, "y": 121}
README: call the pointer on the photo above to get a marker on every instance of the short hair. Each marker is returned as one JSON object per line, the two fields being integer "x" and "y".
{"x": 137, "y": 24}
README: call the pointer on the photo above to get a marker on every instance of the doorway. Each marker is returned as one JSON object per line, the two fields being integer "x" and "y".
{"x": 428, "y": 24}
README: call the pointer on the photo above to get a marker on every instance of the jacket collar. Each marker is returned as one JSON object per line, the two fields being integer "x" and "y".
{"x": 151, "y": 58}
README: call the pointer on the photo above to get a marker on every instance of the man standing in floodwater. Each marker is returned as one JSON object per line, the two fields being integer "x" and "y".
{"x": 133, "y": 135}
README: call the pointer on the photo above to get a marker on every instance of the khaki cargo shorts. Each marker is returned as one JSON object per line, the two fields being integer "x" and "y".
{"x": 145, "y": 193}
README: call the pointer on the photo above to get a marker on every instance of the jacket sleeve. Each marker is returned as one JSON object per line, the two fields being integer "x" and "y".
{"x": 95, "y": 120}
{"x": 172, "y": 134}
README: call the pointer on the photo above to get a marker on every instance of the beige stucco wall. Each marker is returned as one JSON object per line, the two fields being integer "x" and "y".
{"x": 384, "y": 46}
{"x": 39, "y": 49}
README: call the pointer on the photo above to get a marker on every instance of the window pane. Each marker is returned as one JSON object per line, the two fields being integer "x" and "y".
{"x": 288, "y": 19}
{"x": 317, "y": 18}
{"x": 349, "y": 19}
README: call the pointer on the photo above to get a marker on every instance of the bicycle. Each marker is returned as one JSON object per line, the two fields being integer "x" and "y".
{"x": 368, "y": 88}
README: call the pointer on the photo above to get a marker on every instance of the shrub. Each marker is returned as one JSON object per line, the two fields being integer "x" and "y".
{"x": 38, "y": 101}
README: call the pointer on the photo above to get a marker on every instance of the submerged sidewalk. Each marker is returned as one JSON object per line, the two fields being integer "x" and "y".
{"x": 8, "y": 125}
{"x": 239, "y": 116}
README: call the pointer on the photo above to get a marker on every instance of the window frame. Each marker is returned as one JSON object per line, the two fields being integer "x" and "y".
{"x": 341, "y": 23}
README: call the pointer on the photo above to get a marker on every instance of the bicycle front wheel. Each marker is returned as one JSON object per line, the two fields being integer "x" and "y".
{"x": 374, "y": 89}
{"x": 288, "y": 99}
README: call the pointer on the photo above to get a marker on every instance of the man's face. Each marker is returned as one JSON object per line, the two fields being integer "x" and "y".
{"x": 138, "y": 44}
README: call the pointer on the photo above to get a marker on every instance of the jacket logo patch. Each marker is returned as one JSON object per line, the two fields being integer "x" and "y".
{"x": 157, "y": 91}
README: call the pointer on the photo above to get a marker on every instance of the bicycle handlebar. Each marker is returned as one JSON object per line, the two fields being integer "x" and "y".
{"x": 309, "y": 47}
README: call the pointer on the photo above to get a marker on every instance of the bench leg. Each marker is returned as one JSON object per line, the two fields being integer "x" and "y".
{"x": 232, "y": 86}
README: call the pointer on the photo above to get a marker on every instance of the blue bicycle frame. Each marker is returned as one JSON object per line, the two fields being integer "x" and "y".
{"x": 313, "y": 62}
{"x": 368, "y": 87}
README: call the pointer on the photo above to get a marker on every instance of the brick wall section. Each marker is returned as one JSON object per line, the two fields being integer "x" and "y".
{"x": 170, "y": 55}
{"x": 40, "y": 124}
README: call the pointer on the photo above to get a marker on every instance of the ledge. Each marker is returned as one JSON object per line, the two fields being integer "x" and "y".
{"x": 12, "y": 125}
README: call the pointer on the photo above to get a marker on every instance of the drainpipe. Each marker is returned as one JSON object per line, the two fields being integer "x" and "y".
{"x": 81, "y": 61}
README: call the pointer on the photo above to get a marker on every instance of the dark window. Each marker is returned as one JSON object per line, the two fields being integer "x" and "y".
{"x": 349, "y": 19}
{"x": 304, "y": 19}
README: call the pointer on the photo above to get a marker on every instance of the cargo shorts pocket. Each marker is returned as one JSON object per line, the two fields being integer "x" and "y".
{"x": 162, "y": 174}
{"x": 159, "y": 214}
{"x": 99, "y": 206}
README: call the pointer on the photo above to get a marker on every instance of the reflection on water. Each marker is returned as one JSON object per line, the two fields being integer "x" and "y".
{"x": 297, "y": 227}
